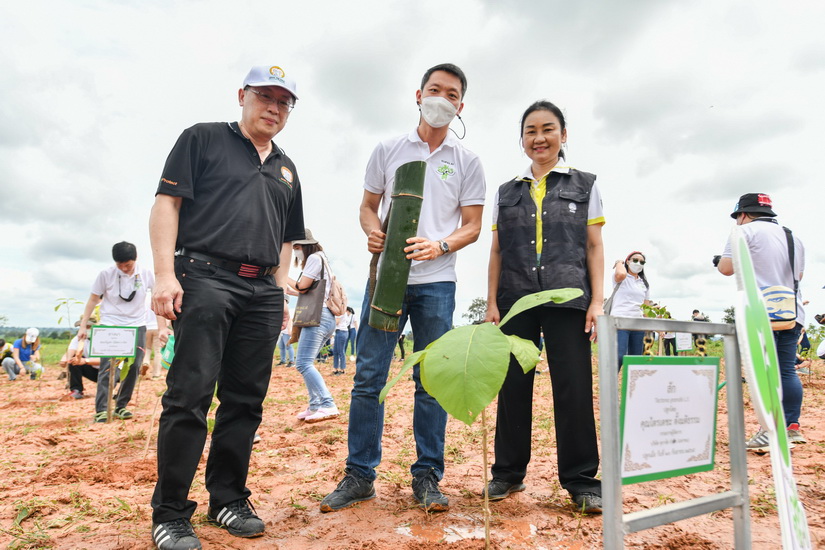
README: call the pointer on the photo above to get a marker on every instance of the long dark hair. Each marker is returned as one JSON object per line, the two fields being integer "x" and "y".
{"x": 642, "y": 272}
{"x": 544, "y": 105}
{"x": 309, "y": 250}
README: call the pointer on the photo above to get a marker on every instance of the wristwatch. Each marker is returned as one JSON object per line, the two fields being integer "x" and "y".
{"x": 445, "y": 248}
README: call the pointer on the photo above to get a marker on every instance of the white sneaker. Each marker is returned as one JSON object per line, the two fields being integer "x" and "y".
{"x": 322, "y": 414}
{"x": 303, "y": 414}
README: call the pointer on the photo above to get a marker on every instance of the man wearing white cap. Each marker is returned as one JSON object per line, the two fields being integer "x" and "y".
{"x": 226, "y": 209}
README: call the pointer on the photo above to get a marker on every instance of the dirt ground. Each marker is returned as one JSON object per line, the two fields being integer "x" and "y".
{"x": 70, "y": 483}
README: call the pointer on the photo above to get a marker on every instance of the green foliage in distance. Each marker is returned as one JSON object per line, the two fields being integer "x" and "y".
{"x": 655, "y": 311}
{"x": 730, "y": 315}
{"x": 477, "y": 310}
{"x": 66, "y": 303}
{"x": 465, "y": 368}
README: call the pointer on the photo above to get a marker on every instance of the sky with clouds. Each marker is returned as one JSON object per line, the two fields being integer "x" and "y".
{"x": 678, "y": 107}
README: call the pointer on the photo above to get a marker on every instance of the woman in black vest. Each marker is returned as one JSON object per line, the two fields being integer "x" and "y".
{"x": 547, "y": 234}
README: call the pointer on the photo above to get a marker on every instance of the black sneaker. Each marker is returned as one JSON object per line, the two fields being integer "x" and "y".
{"x": 239, "y": 519}
{"x": 426, "y": 492}
{"x": 588, "y": 503}
{"x": 175, "y": 535}
{"x": 498, "y": 489}
{"x": 352, "y": 490}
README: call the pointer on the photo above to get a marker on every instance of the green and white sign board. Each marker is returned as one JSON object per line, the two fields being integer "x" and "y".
{"x": 684, "y": 341}
{"x": 110, "y": 341}
{"x": 667, "y": 416}
{"x": 762, "y": 373}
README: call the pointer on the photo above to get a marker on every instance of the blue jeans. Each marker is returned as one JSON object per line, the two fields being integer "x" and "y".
{"x": 785, "y": 341}
{"x": 429, "y": 307}
{"x": 351, "y": 340}
{"x": 631, "y": 342}
{"x": 309, "y": 344}
{"x": 340, "y": 353}
{"x": 287, "y": 353}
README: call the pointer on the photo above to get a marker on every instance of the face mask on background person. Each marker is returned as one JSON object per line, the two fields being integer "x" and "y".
{"x": 437, "y": 111}
{"x": 635, "y": 267}
{"x": 299, "y": 255}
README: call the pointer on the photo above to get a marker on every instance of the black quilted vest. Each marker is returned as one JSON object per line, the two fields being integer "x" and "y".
{"x": 563, "y": 261}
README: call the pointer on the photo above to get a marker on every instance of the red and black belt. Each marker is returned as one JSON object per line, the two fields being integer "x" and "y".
{"x": 239, "y": 268}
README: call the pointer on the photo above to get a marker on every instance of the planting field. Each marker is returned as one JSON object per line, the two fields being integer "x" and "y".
{"x": 69, "y": 483}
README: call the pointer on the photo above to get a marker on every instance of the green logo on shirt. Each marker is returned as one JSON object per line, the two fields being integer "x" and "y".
{"x": 445, "y": 171}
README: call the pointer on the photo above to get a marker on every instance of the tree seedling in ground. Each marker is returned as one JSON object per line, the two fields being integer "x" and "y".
{"x": 465, "y": 368}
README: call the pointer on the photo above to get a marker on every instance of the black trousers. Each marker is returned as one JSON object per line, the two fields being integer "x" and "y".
{"x": 568, "y": 356}
{"x": 226, "y": 335}
{"x": 670, "y": 346}
{"x": 78, "y": 372}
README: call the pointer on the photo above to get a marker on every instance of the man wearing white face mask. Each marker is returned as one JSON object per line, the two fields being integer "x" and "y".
{"x": 454, "y": 189}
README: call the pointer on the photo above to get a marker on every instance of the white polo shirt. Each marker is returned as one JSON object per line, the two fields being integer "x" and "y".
{"x": 454, "y": 179}
{"x": 768, "y": 245}
{"x": 114, "y": 285}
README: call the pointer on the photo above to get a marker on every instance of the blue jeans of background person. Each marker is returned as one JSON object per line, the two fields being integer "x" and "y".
{"x": 340, "y": 353}
{"x": 785, "y": 341}
{"x": 630, "y": 342}
{"x": 351, "y": 340}
{"x": 285, "y": 348}
{"x": 429, "y": 308}
{"x": 310, "y": 342}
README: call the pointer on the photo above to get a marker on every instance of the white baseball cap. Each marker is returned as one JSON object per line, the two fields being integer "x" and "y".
{"x": 31, "y": 335}
{"x": 263, "y": 75}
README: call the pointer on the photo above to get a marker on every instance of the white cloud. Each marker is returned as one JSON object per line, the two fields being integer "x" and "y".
{"x": 678, "y": 107}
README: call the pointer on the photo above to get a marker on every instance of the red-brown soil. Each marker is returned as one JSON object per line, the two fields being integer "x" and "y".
{"x": 70, "y": 483}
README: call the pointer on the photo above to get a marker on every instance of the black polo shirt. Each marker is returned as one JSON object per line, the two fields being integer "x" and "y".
{"x": 234, "y": 207}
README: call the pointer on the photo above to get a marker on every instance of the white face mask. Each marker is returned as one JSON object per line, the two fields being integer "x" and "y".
{"x": 437, "y": 111}
{"x": 299, "y": 255}
{"x": 635, "y": 268}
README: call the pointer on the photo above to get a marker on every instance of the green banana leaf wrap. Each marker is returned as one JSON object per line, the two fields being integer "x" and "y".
{"x": 402, "y": 224}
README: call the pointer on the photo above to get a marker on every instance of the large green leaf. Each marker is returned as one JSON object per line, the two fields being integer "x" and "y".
{"x": 558, "y": 295}
{"x": 465, "y": 368}
{"x": 525, "y": 351}
{"x": 408, "y": 364}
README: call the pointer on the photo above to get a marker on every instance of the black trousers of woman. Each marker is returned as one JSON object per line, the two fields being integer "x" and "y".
{"x": 568, "y": 356}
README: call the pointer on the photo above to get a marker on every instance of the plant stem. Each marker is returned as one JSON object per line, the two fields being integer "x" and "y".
{"x": 486, "y": 486}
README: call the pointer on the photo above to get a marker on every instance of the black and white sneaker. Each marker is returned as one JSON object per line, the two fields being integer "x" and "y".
{"x": 175, "y": 535}
{"x": 239, "y": 519}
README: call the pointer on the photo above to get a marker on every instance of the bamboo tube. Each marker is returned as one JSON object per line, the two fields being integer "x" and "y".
{"x": 391, "y": 281}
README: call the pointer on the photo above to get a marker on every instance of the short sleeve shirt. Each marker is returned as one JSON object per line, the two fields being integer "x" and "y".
{"x": 235, "y": 206}
{"x": 312, "y": 269}
{"x": 454, "y": 178}
{"x": 114, "y": 285}
{"x": 25, "y": 354}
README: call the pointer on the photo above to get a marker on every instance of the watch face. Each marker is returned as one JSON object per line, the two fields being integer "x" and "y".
{"x": 445, "y": 247}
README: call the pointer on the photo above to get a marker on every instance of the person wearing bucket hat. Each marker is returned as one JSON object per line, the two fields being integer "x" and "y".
{"x": 314, "y": 264}
{"x": 770, "y": 248}
{"x": 227, "y": 208}
{"x": 753, "y": 203}
{"x": 79, "y": 364}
